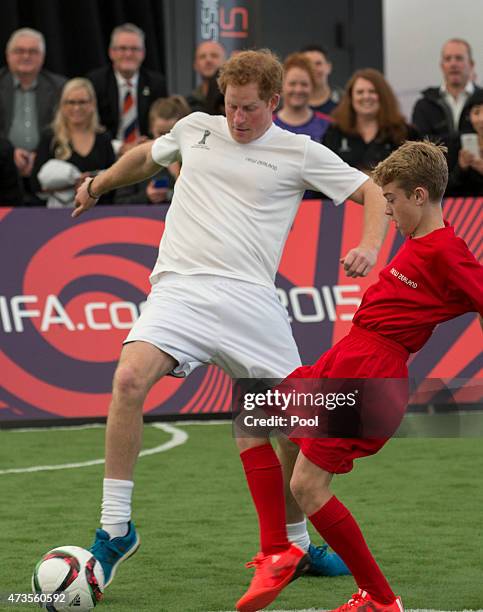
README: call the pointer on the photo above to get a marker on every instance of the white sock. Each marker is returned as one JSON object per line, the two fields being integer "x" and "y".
{"x": 298, "y": 534}
{"x": 116, "y": 506}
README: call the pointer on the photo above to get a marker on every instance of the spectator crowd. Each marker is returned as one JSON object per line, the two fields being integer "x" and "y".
{"x": 54, "y": 132}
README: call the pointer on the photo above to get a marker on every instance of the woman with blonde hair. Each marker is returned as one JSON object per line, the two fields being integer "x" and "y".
{"x": 76, "y": 139}
{"x": 368, "y": 124}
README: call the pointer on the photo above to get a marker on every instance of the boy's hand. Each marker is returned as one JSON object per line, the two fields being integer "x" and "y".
{"x": 359, "y": 261}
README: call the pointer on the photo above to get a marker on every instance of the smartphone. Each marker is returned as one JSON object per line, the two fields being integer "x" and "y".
{"x": 161, "y": 183}
{"x": 469, "y": 142}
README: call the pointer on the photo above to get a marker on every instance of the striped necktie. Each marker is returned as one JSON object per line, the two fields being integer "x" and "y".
{"x": 129, "y": 120}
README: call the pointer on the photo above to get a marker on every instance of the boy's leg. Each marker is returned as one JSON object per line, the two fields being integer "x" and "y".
{"x": 140, "y": 366}
{"x": 279, "y": 561}
{"x": 334, "y": 522}
{"x": 322, "y": 562}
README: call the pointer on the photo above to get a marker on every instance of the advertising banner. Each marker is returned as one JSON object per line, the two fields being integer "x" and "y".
{"x": 71, "y": 289}
{"x": 230, "y": 22}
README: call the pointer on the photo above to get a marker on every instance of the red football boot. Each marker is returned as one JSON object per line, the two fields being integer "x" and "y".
{"x": 272, "y": 574}
{"x": 363, "y": 602}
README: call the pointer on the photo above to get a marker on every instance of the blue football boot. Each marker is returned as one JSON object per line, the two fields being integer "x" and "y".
{"x": 110, "y": 553}
{"x": 324, "y": 563}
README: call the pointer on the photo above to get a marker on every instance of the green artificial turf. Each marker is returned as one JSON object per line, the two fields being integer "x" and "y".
{"x": 419, "y": 503}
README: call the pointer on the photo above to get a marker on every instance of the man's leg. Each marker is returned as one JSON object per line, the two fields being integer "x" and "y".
{"x": 334, "y": 522}
{"x": 140, "y": 366}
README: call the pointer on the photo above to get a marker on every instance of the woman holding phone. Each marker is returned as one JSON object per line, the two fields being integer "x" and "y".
{"x": 466, "y": 153}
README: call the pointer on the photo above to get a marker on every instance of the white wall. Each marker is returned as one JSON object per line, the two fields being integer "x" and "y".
{"x": 414, "y": 31}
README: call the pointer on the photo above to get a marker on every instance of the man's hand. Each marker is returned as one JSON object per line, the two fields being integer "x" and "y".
{"x": 83, "y": 201}
{"x": 24, "y": 160}
{"x": 359, "y": 261}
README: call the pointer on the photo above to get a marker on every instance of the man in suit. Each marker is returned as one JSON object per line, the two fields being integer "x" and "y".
{"x": 125, "y": 90}
{"x": 28, "y": 97}
{"x": 438, "y": 113}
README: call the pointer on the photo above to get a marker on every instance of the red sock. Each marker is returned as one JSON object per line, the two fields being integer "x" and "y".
{"x": 339, "y": 529}
{"x": 265, "y": 481}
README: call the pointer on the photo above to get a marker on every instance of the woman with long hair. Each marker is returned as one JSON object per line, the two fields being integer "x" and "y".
{"x": 368, "y": 124}
{"x": 75, "y": 137}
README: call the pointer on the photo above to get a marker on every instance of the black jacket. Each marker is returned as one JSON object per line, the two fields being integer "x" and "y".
{"x": 151, "y": 86}
{"x": 47, "y": 94}
{"x": 461, "y": 182}
{"x": 433, "y": 118}
{"x": 362, "y": 155}
{"x": 10, "y": 189}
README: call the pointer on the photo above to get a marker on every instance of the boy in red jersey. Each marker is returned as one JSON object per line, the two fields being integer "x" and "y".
{"x": 432, "y": 279}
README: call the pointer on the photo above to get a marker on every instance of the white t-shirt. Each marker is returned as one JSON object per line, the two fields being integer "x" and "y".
{"x": 233, "y": 203}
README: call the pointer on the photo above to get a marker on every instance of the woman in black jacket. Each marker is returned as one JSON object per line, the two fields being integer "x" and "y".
{"x": 368, "y": 124}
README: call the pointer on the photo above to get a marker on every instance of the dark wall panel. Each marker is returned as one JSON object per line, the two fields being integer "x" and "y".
{"x": 77, "y": 33}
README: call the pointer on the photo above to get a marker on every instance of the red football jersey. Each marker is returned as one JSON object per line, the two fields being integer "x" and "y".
{"x": 432, "y": 279}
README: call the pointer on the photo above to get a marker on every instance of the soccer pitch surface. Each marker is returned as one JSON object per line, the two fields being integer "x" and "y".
{"x": 419, "y": 503}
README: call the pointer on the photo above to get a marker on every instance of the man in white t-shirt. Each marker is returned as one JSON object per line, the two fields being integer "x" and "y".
{"x": 213, "y": 298}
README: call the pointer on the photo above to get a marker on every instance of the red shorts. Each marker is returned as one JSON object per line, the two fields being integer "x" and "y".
{"x": 360, "y": 354}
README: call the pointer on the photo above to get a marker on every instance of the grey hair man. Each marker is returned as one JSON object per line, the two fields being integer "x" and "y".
{"x": 28, "y": 95}
{"x": 439, "y": 114}
{"x": 125, "y": 89}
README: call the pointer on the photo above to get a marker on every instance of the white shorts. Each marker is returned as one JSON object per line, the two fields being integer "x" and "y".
{"x": 204, "y": 319}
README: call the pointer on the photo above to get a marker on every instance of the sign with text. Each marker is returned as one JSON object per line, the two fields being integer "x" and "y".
{"x": 71, "y": 289}
{"x": 230, "y": 22}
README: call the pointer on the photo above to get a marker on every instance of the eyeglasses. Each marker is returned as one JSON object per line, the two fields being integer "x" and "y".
{"x": 125, "y": 49}
{"x": 76, "y": 102}
{"x": 25, "y": 51}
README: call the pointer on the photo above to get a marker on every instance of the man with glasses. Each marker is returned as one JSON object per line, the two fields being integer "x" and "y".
{"x": 125, "y": 90}
{"x": 28, "y": 97}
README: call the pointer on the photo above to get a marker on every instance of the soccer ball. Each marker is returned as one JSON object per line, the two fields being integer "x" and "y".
{"x": 68, "y": 577}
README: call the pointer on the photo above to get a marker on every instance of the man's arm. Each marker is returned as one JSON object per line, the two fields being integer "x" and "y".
{"x": 134, "y": 166}
{"x": 360, "y": 260}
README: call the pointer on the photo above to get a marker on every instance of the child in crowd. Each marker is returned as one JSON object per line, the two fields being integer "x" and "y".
{"x": 163, "y": 115}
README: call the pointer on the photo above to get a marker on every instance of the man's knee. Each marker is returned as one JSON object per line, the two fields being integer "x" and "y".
{"x": 129, "y": 382}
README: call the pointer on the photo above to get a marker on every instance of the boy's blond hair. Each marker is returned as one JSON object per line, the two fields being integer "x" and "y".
{"x": 261, "y": 67}
{"x": 415, "y": 164}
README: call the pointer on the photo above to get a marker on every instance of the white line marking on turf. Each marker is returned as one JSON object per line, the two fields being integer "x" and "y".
{"x": 178, "y": 437}
{"x": 54, "y": 428}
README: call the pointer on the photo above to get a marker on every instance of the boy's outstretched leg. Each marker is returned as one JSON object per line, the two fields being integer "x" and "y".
{"x": 322, "y": 562}
{"x": 334, "y": 522}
